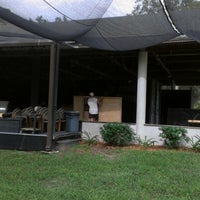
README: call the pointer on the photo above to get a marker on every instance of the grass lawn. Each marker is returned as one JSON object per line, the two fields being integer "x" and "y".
{"x": 89, "y": 173}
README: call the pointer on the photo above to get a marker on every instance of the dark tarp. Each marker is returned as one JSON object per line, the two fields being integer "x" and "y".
{"x": 185, "y": 14}
{"x": 103, "y": 24}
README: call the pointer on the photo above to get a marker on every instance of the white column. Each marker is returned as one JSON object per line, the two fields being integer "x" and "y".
{"x": 141, "y": 92}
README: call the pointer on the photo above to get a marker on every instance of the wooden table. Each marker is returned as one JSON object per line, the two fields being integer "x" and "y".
{"x": 194, "y": 122}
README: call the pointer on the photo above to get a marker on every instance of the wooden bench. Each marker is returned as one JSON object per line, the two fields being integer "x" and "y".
{"x": 194, "y": 122}
{"x": 30, "y": 130}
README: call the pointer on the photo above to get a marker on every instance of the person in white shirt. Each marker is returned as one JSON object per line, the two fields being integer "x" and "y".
{"x": 93, "y": 107}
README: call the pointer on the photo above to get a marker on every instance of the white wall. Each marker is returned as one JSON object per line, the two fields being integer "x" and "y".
{"x": 150, "y": 131}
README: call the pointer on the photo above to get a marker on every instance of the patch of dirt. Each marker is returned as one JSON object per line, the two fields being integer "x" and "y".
{"x": 104, "y": 148}
{"x": 98, "y": 148}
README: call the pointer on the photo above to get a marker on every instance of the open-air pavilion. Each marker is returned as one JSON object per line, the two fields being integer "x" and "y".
{"x": 134, "y": 47}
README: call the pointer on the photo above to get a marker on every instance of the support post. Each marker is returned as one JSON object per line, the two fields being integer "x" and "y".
{"x": 157, "y": 115}
{"x": 141, "y": 92}
{"x": 152, "y": 105}
{"x": 53, "y": 87}
{"x": 35, "y": 82}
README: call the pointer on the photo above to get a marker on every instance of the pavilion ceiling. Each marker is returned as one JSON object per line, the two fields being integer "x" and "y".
{"x": 178, "y": 61}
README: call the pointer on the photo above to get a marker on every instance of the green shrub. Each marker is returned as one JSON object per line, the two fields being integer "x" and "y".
{"x": 89, "y": 139}
{"x": 195, "y": 142}
{"x": 173, "y": 136}
{"x": 146, "y": 142}
{"x": 117, "y": 134}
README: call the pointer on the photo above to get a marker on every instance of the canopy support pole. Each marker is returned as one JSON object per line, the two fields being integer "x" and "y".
{"x": 53, "y": 88}
{"x": 157, "y": 103}
{"x": 141, "y": 92}
{"x": 152, "y": 106}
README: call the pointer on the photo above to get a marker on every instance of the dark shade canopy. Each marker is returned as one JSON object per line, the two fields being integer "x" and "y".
{"x": 185, "y": 15}
{"x": 102, "y": 24}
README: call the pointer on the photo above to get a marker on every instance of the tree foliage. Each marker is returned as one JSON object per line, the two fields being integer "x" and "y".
{"x": 155, "y": 6}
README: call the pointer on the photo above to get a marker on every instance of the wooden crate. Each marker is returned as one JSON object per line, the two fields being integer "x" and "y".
{"x": 110, "y": 109}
